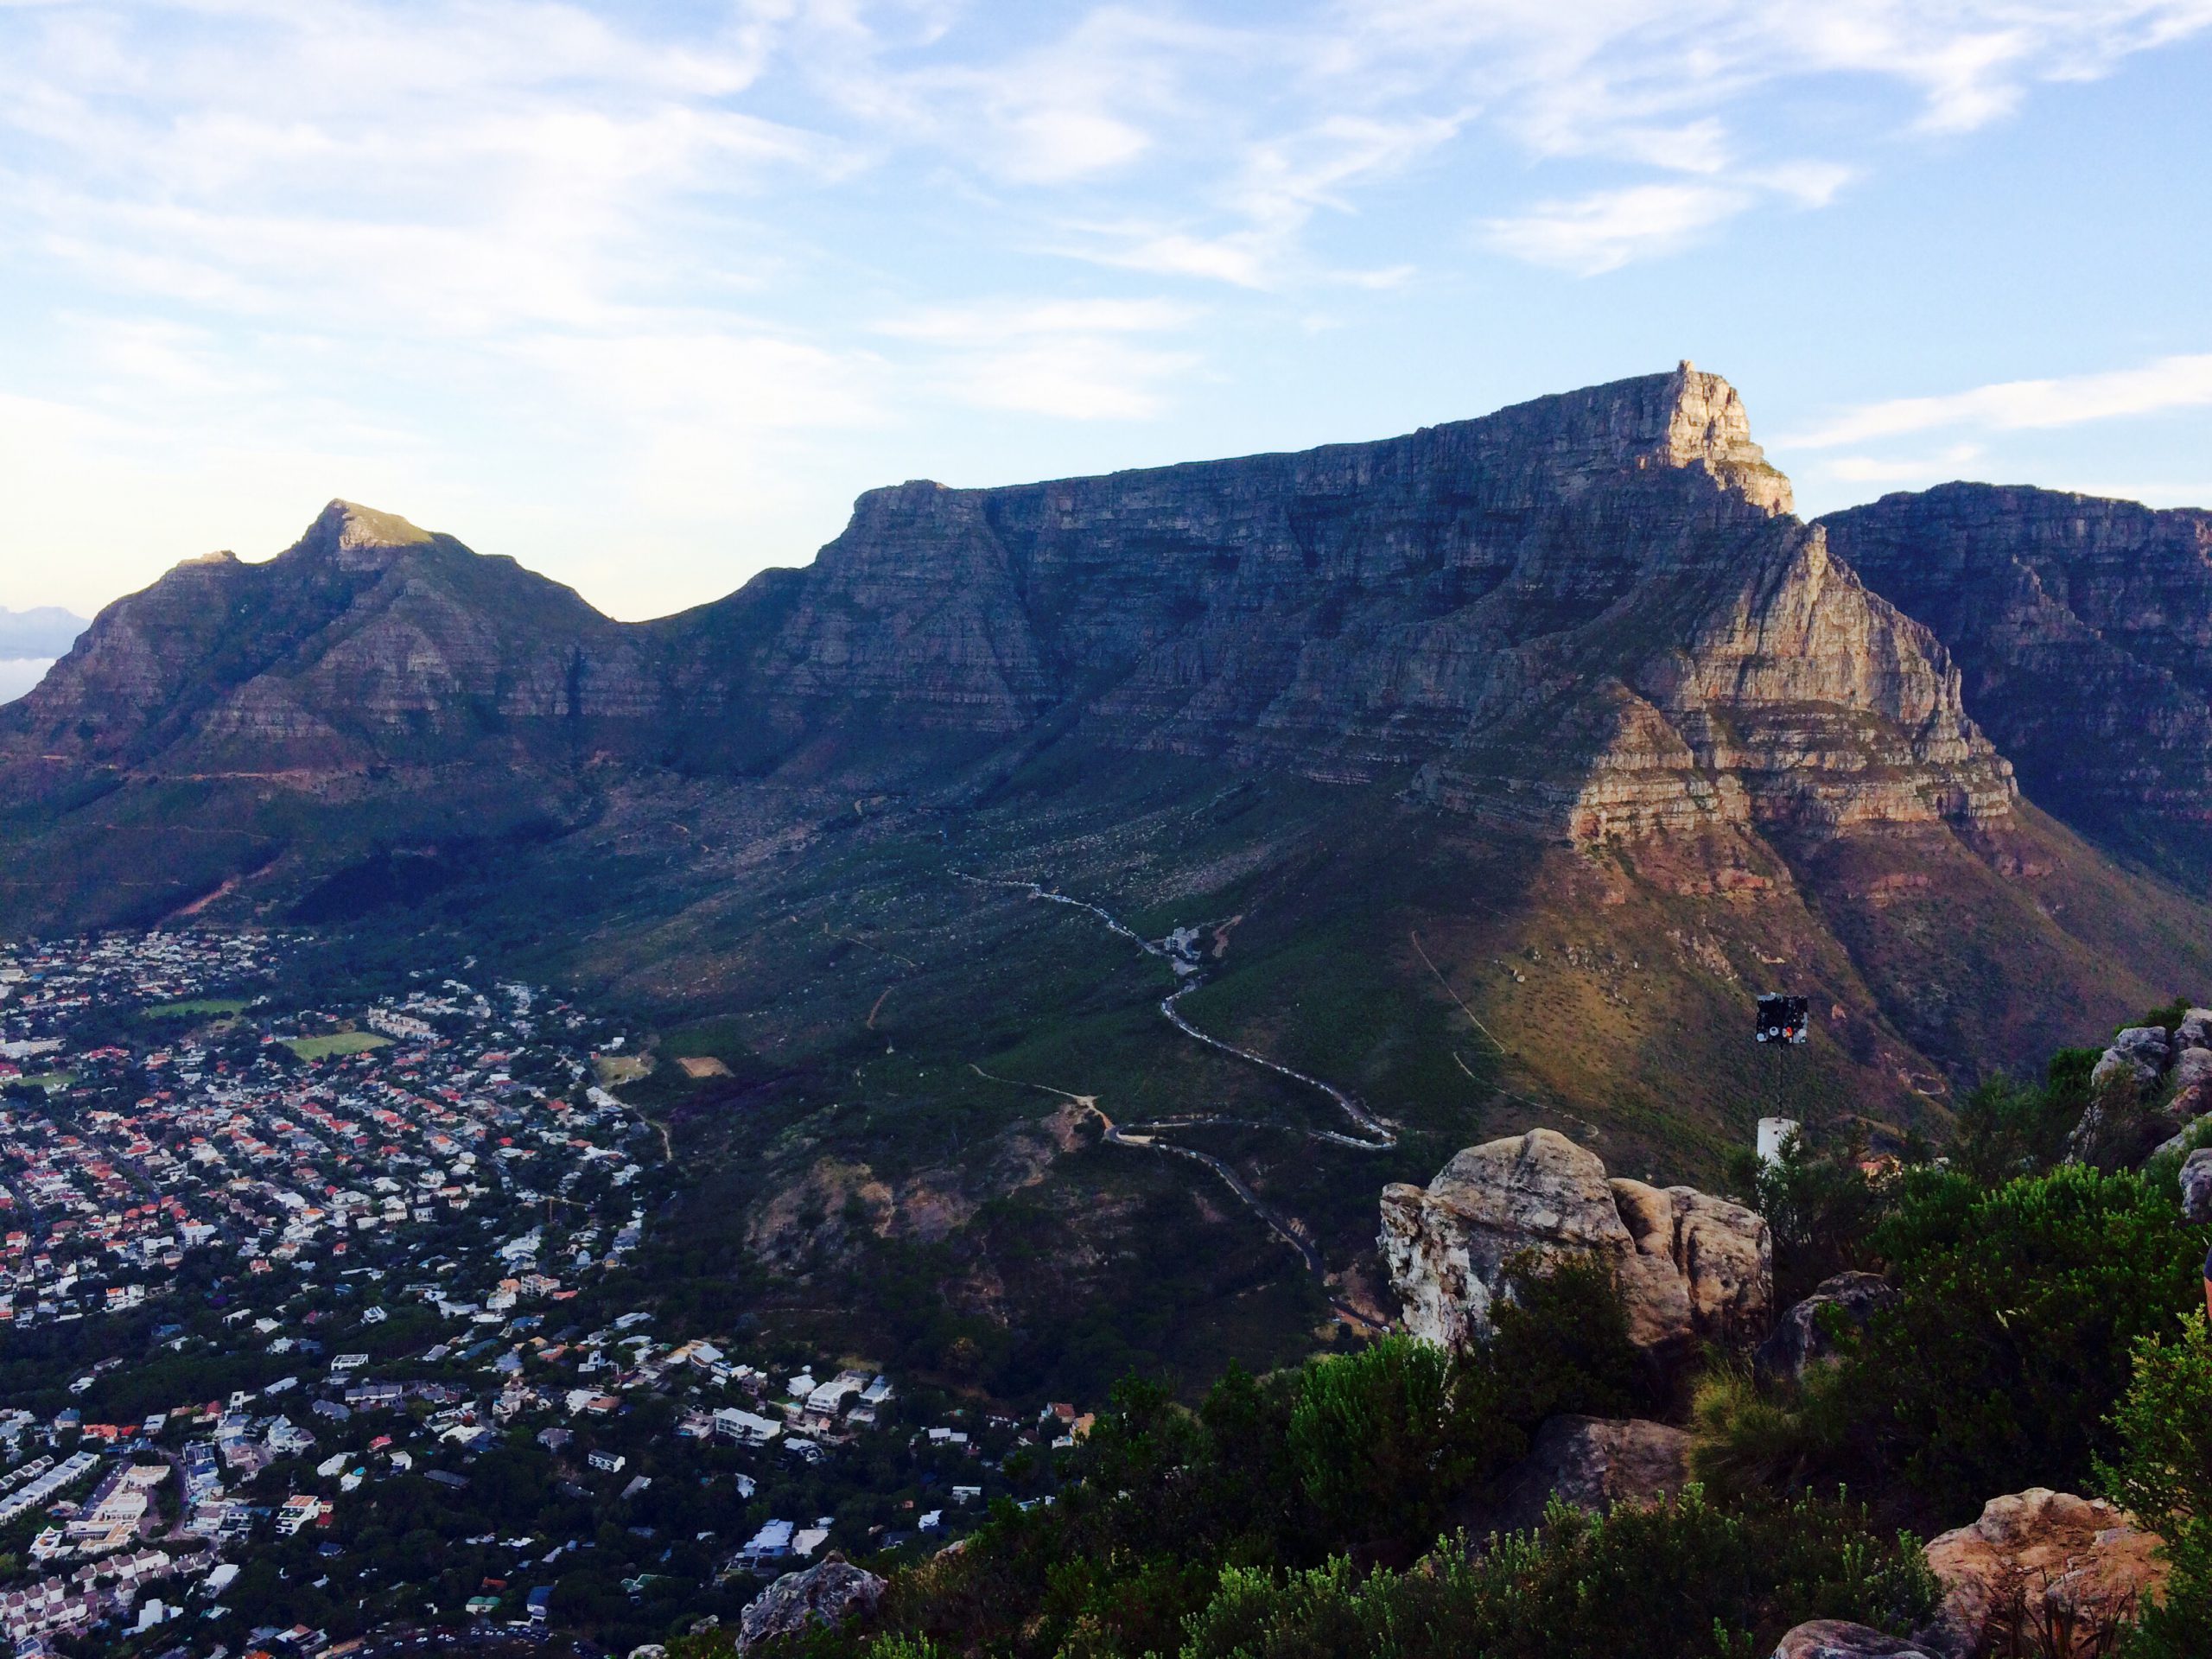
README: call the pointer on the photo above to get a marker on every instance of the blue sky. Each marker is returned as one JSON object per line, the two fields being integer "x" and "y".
{"x": 645, "y": 294}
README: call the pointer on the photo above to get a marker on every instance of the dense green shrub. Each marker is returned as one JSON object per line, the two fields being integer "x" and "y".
{"x": 1682, "y": 1579}
{"x": 2004, "y": 1128}
{"x": 2164, "y": 1474}
{"x": 2009, "y": 1348}
{"x": 1561, "y": 1342}
{"x": 1820, "y": 1210}
{"x": 1383, "y": 1441}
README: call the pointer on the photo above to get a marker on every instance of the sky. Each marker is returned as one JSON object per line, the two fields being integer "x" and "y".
{"x": 644, "y": 295}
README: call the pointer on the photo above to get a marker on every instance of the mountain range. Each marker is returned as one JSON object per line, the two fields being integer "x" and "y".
{"x": 1496, "y": 766}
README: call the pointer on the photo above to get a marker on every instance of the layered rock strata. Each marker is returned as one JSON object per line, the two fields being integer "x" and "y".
{"x": 367, "y": 643}
{"x": 1592, "y": 615}
{"x": 2084, "y": 630}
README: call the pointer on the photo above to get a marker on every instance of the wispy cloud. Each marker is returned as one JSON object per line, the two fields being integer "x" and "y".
{"x": 1076, "y": 359}
{"x": 2167, "y": 383}
{"x": 1605, "y": 230}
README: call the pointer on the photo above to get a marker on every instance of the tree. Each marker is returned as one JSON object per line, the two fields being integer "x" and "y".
{"x": 2009, "y": 1347}
{"x": 1383, "y": 1440}
{"x": 2164, "y": 1475}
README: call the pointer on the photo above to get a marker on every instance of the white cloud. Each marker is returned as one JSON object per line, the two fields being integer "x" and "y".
{"x": 2169, "y": 383}
{"x": 1074, "y": 359}
{"x": 1605, "y": 230}
{"x": 441, "y": 252}
{"x": 1903, "y": 470}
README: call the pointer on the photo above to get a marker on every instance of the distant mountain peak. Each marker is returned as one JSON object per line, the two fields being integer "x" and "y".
{"x": 344, "y": 528}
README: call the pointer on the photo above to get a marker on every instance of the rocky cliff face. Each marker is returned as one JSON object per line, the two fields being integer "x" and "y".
{"x": 2084, "y": 630}
{"x": 1592, "y": 615}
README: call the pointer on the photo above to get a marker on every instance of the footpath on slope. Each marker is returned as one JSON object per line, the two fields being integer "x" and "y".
{"x": 1375, "y": 1134}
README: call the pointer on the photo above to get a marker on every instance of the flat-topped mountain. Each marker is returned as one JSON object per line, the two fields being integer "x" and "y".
{"x": 1592, "y": 615}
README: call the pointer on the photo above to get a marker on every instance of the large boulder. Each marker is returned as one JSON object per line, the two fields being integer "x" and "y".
{"x": 1722, "y": 1254}
{"x": 2141, "y": 1052}
{"x": 2039, "y": 1549}
{"x": 1446, "y": 1245}
{"x": 1594, "y": 1464}
{"x": 827, "y": 1593}
{"x": 2194, "y": 1032}
{"x": 1691, "y": 1268}
{"x": 1801, "y": 1337}
{"x": 2192, "y": 1066}
{"x": 2196, "y": 1186}
{"x": 1832, "y": 1638}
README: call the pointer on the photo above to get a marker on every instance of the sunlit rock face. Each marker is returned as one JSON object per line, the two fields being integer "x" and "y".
{"x": 1591, "y": 615}
{"x": 1690, "y": 1268}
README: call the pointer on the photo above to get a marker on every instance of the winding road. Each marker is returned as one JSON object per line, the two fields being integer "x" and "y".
{"x": 1374, "y": 1134}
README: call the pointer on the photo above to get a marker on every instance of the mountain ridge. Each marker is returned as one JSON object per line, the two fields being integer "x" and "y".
{"x": 1454, "y": 599}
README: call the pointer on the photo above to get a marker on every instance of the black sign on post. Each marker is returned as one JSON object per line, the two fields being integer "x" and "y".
{"x": 1782, "y": 1020}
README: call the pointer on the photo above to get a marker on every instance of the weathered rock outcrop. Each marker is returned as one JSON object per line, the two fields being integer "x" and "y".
{"x": 1690, "y": 1266}
{"x": 1833, "y": 1639}
{"x": 2081, "y": 1555}
{"x": 2148, "y": 1087}
{"x": 2084, "y": 629}
{"x": 827, "y": 1593}
{"x": 1801, "y": 1337}
{"x": 2196, "y": 1186}
{"x": 1594, "y": 1464}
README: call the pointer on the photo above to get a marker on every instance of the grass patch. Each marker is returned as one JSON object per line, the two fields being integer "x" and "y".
{"x": 52, "y": 1082}
{"x": 195, "y": 1006}
{"x": 615, "y": 1069}
{"x": 338, "y": 1043}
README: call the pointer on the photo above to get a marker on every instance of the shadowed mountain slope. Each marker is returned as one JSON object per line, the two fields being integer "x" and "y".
{"x": 2084, "y": 630}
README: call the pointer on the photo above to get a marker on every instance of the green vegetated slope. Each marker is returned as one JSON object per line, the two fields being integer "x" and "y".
{"x": 896, "y": 1144}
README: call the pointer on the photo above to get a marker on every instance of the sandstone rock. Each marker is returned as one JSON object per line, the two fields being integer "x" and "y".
{"x": 827, "y": 1593}
{"x": 1800, "y": 1341}
{"x": 1832, "y": 1639}
{"x": 2196, "y": 1186}
{"x": 1594, "y": 1464}
{"x": 1720, "y": 1254}
{"x": 2140, "y": 1052}
{"x": 2083, "y": 1553}
{"x": 2147, "y": 1045}
{"x": 1447, "y": 1245}
{"x": 1690, "y": 1266}
{"x": 2195, "y": 1031}
{"x": 2192, "y": 1066}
